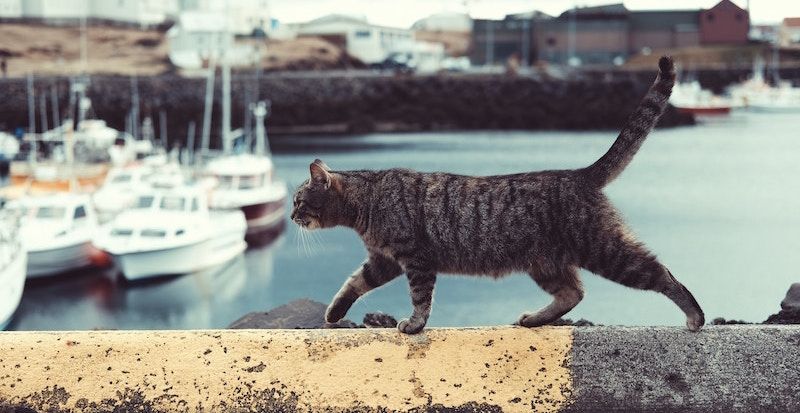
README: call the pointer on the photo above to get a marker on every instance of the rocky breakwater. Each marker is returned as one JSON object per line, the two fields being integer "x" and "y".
{"x": 362, "y": 102}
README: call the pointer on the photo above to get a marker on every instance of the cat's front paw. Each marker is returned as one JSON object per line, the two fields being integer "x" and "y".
{"x": 334, "y": 313}
{"x": 409, "y": 327}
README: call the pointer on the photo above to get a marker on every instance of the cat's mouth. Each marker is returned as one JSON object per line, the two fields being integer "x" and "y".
{"x": 307, "y": 223}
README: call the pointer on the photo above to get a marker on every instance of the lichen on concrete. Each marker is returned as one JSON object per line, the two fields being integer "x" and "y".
{"x": 488, "y": 369}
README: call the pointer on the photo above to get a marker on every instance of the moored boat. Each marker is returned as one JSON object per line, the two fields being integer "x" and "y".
{"x": 691, "y": 98}
{"x": 13, "y": 261}
{"x": 171, "y": 231}
{"x": 245, "y": 182}
{"x": 56, "y": 231}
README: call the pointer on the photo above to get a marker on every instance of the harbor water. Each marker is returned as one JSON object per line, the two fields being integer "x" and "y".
{"x": 717, "y": 202}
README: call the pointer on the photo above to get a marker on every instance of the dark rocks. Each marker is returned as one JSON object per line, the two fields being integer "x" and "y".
{"x": 784, "y": 317}
{"x": 719, "y": 321}
{"x": 379, "y": 320}
{"x": 306, "y": 314}
{"x": 790, "y": 308}
{"x": 303, "y": 313}
{"x": 567, "y": 322}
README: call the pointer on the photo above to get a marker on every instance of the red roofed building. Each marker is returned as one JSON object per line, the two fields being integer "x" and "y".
{"x": 725, "y": 23}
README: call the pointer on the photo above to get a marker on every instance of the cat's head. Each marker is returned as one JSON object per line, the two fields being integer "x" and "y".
{"x": 318, "y": 201}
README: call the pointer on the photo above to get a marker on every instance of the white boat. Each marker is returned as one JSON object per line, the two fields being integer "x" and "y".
{"x": 56, "y": 230}
{"x": 9, "y": 146}
{"x": 121, "y": 185}
{"x": 245, "y": 182}
{"x": 759, "y": 96}
{"x": 690, "y": 97}
{"x": 13, "y": 260}
{"x": 171, "y": 231}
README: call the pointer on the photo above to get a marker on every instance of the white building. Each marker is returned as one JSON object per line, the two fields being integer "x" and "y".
{"x": 144, "y": 13}
{"x": 10, "y": 9}
{"x": 367, "y": 42}
{"x": 445, "y": 22}
{"x": 139, "y": 12}
{"x": 55, "y": 9}
{"x": 199, "y": 38}
{"x": 245, "y": 15}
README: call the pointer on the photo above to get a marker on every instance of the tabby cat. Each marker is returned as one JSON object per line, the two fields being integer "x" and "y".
{"x": 547, "y": 224}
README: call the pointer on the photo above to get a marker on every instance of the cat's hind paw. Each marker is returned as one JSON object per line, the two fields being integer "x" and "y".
{"x": 695, "y": 323}
{"x": 530, "y": 320}
{"x": 409, "y": 327}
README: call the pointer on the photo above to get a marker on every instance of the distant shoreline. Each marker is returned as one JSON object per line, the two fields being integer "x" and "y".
{"x": 348, "y": 105}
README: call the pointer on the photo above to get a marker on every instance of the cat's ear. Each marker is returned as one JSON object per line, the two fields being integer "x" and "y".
{"x": 321, "y": 173}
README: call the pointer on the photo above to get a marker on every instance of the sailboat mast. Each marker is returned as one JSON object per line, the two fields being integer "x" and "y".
{"x": 209, "y": 102}
{"x": 31, "y": 119}
{"x": 54, "y": 107}
{"x": 226, "y": 87}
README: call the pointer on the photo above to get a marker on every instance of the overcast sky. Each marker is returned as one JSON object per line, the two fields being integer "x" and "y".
{"x": 403, "y": 13}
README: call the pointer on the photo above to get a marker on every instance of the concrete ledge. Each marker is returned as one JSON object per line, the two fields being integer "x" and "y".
{"x": 721, "y": 369}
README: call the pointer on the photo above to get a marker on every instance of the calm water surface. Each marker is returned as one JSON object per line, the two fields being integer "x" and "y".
{"x": 719, "y": 203}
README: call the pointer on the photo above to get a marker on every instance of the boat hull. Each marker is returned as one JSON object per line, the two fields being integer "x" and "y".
{"x": 705, "y": 111}
{"x": 774, "y": 108}
{"x": 58, "y": 260}
{"x": 183, "y": 259}
{"x": 12, "y": 280}
{"x": 264, "y": 216}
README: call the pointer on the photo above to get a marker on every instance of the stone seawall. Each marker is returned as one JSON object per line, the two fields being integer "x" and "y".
{"x": 363, "y": 103}
{"x": 512, "y": 369}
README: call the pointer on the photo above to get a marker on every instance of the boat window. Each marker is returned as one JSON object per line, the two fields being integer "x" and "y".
{"x": 225, "y": 182}
{"x": 179, "y": 232}
{"x": 173, "y": 203}
{"x": 248, "y": 182}
{"x": 144, "y": 202}
{"x": 195, "y": 204}
{"x": 158, "y": 233}
{"x": 121, "y": 179}
{"x": 80, "y": 212}
{"x": 121, "y": 232}
{"x": 48, "y": 212}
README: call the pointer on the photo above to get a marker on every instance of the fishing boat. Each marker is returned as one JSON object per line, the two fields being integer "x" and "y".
{"x": 171, "y": 231}
{"x": 56, "y": 231}
{"x": 242, "y": 177}
{"x": 245, "y": 182}
{"x": 13, "y": 260}
{"x": 691, "y": 98}
{"x": 758, "y": 95}
{"x": 118, "y": 192}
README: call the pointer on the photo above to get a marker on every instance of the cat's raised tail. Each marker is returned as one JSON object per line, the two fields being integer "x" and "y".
{"x": 639, "y": 125}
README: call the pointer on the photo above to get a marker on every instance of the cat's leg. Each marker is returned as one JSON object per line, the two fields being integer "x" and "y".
{"x": 376, "y": 271}
{"x": 421, "y": 283}
{"x": 565, "y": 287}
{"x": 629, "y": 263}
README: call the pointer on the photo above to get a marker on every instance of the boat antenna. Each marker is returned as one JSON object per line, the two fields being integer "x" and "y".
{"x": 260, "y": 111}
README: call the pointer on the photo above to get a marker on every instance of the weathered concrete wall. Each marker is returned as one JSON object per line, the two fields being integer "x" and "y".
{"x": 641, "y": 369}
{"x": 366, "y": 103}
